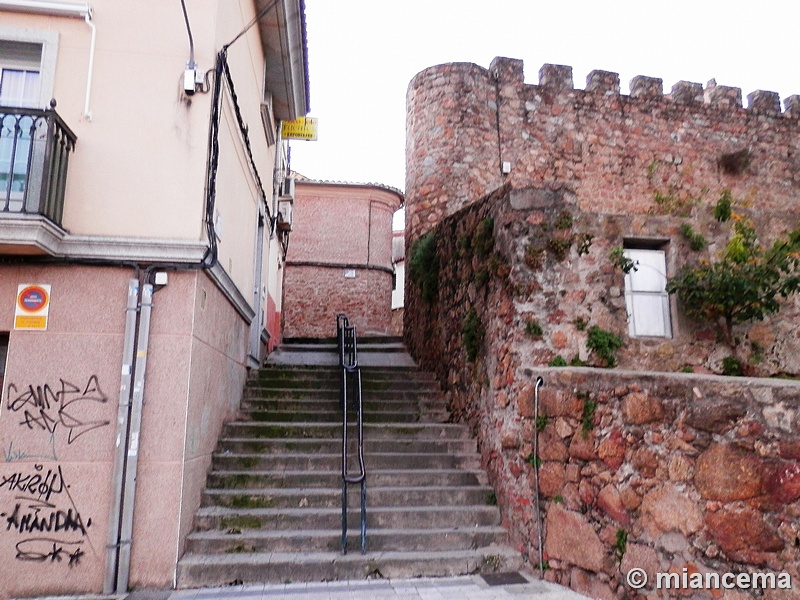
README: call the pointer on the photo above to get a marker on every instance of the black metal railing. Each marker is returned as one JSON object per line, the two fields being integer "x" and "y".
{"x": 350, "y": 389}
{"x": 34, "y": 154}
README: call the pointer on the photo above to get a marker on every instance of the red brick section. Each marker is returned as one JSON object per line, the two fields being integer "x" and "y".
{"x": 339, "y": 227}
{"x": 319, "y": 294}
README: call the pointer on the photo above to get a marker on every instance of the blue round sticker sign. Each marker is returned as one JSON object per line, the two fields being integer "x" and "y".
{"x": 33, "y": 298}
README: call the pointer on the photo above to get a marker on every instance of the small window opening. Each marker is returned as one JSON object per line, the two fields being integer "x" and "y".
{"x": 646, "y": 298}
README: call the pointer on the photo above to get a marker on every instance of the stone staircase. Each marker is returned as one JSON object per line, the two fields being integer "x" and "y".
{"x": 272, "y": 507}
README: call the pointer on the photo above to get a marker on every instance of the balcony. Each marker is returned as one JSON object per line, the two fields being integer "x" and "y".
{"x": 35, "y": 146}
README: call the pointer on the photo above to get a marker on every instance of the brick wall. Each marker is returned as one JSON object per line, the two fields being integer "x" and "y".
{"x": 319, "y": 294}
{"x": 339, "y": 228}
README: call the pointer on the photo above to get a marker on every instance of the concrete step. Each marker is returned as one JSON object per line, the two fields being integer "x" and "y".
{"x": 210, "y": 569}
{"x": 322, "y": 462}
{"x": 370, "y": 389}
{"x": 372, "y": 431}
{"x": 310, "y": 406}
{"x": 272, "y": 507}
{"x": 373, "y": 381}
{"x": 394, "y": 517}
{"x": 334, "y": 417}
{"x": 329, "y": 540}
{"x": 332, "y": 497}
{"x": 329, "y": 446}
{"x": 332, "y": 393}
{"x": 333, "y": 478}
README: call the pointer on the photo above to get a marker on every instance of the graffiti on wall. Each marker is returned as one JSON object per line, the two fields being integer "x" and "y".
{"x": 41, "y": 518}
{"x": 57, "y": 410}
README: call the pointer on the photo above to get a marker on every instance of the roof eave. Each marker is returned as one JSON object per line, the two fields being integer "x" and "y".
{"x": 283, "y": 38}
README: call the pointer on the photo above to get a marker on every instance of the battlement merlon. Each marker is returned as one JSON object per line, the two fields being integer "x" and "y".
{"x": 557, "y": 79}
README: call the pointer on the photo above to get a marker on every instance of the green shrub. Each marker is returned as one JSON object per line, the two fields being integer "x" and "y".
{"x": 621, "y": 544}
{"x": 732, "y": 366}
{"x": 696, "y": 241}
{"x": 483, "y": 238}
{"x": 604, "y": 344}
{"x": 618, "y": 258}
{"x": 558, "y": 361}
{"x": 423, "y": 266}
{"x": 564, "y": 220}
{"x": 472, "y": 333}
{"x": 746, "y": 283}
{"x": 587, "y": 414}
{"x": 533, "y": 329}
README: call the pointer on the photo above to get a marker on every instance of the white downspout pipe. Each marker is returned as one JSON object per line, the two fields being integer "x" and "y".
{"x": 62, "y": 9}
{"x": 88, "y": 18}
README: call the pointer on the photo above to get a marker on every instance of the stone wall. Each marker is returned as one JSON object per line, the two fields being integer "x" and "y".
{"x": 683, "y": 464}
{"x": 616, "y": 151}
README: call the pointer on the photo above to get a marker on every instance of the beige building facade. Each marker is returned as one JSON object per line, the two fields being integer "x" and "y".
{"x": 141, "y": 259}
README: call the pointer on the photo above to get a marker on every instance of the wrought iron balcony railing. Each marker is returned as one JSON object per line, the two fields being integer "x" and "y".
{"x": 34, "y": 152}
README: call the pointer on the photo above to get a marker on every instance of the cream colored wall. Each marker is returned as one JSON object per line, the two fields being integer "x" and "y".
{"x": 139, "y": 165}
{"x": 238, "y": 194}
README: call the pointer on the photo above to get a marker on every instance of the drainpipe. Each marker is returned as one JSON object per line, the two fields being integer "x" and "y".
{"x": 134, "y": 429}
{"x": 112, "y": 548}
{"x": 88, "y": 19}
{"x": 129, "y": 426}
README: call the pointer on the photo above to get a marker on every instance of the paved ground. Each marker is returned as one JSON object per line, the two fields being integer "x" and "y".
{"x": 449, "y": 588}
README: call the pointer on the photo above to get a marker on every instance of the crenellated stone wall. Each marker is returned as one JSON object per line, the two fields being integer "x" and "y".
{"x": 465, "y": 122}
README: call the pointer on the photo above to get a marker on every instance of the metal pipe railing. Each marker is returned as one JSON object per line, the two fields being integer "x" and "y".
{"x": 349, "y": 370}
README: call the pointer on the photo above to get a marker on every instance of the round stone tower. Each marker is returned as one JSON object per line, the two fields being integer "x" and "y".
{"x": 452, "y": 143}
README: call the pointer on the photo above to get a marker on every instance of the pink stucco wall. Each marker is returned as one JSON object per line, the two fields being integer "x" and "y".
{"x": 58, "y": 416}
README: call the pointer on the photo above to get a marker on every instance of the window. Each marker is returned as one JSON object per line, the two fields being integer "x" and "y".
{"x": 20, "y": 73}
{"x": 646, "y": 298}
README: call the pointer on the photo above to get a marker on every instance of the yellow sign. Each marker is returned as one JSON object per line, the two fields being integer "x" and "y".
{"x": 33, "y": 307}
{"x": 303, "y": 128}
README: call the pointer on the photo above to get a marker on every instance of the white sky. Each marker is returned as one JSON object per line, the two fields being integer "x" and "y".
{"x": 363, "y": 54}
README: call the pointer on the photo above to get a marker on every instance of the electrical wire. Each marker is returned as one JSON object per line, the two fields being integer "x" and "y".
{"x": 191, "y": 64}
{"x": 255, "y": 20}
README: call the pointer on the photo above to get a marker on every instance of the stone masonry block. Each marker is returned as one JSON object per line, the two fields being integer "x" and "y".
{"x": 687, "y": 92}
{"x": 723, "y": 96}
{"x": 761, "y": 100}
{"x": 507, "y": 70}
{"x": 602, "y": 82}
{"x": 646, "y": 87}
{"x": 556, "y": 77}
{"x": 792, "y": 104}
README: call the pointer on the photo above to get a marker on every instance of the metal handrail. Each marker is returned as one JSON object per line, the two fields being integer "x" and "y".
{"x": 348, "y": 365}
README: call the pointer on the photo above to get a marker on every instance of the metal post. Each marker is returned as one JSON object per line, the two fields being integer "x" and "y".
{"x": 539, "y": 383}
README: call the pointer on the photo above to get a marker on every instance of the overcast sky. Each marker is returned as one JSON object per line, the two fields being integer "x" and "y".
{"x": 363, "y": 53}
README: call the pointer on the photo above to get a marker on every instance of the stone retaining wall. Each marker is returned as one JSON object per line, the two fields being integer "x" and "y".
{"x": 695, "y": 471}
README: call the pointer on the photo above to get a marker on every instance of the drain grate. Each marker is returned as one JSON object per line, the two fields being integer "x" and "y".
{"x": 494, "y": 579}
